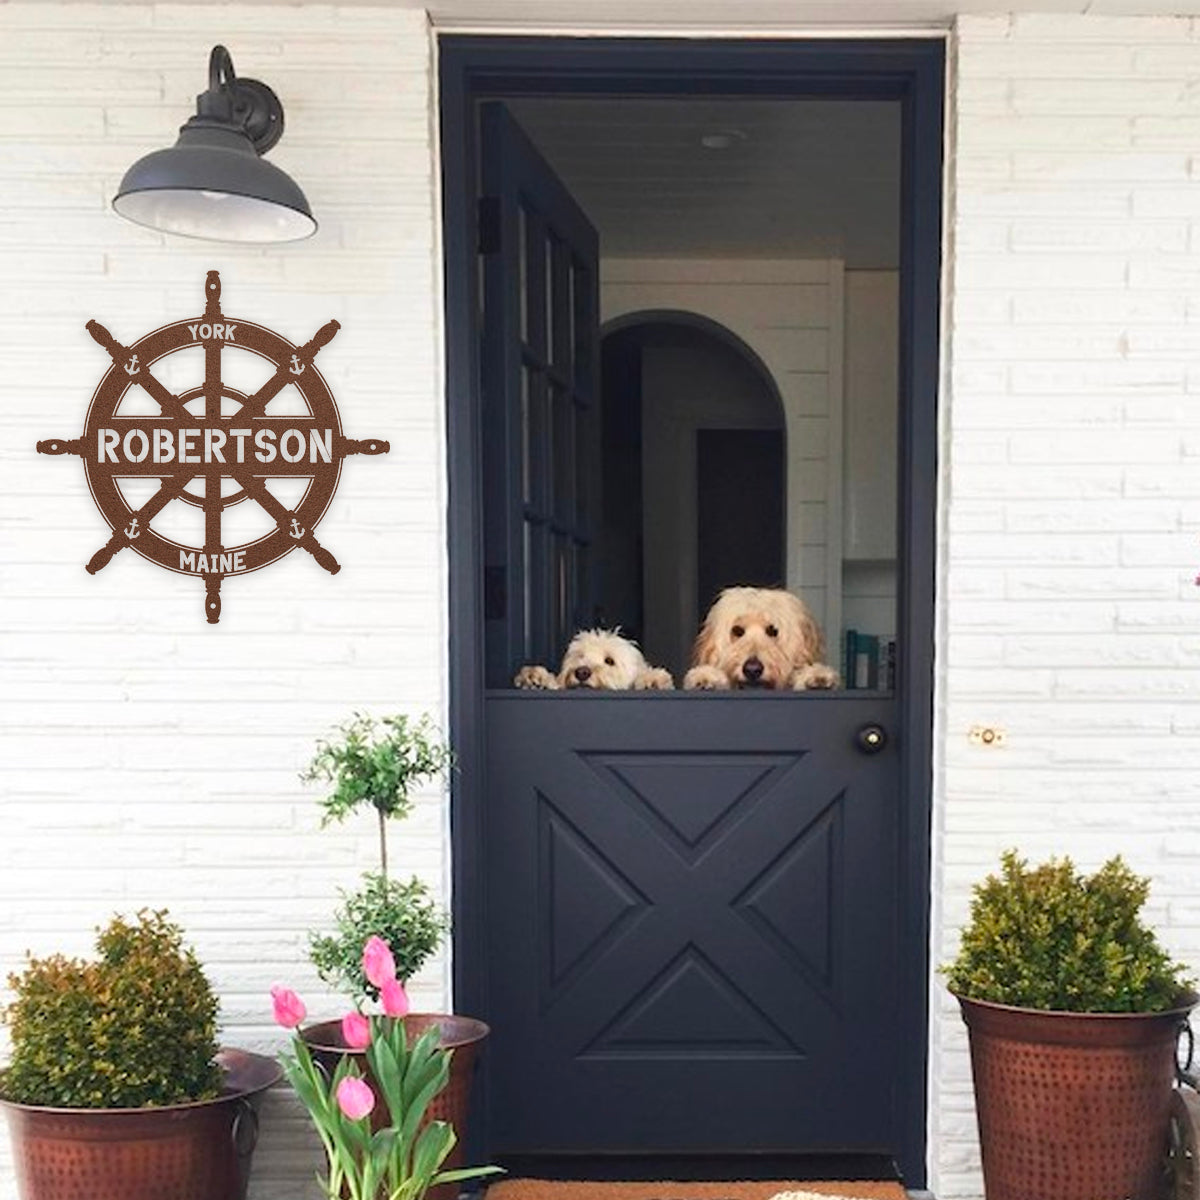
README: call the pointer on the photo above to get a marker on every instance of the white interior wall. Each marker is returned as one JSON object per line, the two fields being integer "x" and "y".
{"x": 870, "y": 414}
{"x": 790, "y": 315}
{"x": 686, "y": 389}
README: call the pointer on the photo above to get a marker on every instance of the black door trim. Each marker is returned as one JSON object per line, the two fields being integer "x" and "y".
{"x": 912, "y": 70}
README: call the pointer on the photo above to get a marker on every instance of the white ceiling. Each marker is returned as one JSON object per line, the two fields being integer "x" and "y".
{"x": 664, "y": 15}
{"x": 801, "y": 178}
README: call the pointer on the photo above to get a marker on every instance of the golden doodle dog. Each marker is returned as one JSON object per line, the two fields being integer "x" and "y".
{"x": 600, "y": 659}
{"x": 759, "y": 638}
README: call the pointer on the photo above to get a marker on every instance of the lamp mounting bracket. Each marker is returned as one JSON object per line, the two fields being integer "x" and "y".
{"x": 255, "y": 107}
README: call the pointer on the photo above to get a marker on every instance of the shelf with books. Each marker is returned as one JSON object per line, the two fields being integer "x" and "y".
{"x": 868, "y": 662}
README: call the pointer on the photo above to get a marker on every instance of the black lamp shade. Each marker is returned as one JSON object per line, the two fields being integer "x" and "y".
{"x": 213, "y": 184}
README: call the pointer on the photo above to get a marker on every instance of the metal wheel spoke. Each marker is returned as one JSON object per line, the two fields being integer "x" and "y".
{"x": 125, "y": 535}
{"x": 287, "y": 521}
{"x": 289, "y": 371}
{"x": 212, "y": 348}
{"x": 127, "y": 360}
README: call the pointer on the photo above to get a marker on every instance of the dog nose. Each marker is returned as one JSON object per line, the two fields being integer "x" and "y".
{"x": 752, "y": 669}
{"x": 583, "y": 674}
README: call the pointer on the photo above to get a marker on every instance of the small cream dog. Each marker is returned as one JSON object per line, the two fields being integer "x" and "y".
{"x": 759, "y": 638}
{"x": 601, "y": 659}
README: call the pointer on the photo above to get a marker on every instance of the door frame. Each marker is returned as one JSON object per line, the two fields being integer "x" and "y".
{"x": 911, "y": 70}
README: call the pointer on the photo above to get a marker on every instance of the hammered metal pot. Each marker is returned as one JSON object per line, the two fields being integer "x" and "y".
{"x": 198, "y": 1151}
{"x": 1072, "y": 1106}
{"x": 463, "y": 1035}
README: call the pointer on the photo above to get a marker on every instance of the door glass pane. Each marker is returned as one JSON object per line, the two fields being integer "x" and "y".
{"x": 563, "y": 606}
{"x": 527, "y": 437}
{"x": 563, "y": 416}
{"x": 527, "y": 594}
{"x": 534, "y": 266}
{"x": 551, "y": 309}
{"x": 523, "y": 261}
{"x": 537, "y": 453}
{"x": 585, "y": 458}
{"x": 583, "y": 318}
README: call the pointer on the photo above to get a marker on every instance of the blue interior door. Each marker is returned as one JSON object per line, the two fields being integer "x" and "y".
{"x": 690, "y": 900}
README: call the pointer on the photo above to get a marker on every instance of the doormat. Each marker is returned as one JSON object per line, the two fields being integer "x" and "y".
{"x": 554, "y": 1189}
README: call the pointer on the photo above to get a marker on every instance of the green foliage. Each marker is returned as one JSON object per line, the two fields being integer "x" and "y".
{"x": 1050, "y": 938}
{"x": 377, "y": 763}
{"x": 404, "y": 1159}
{"x": 405, "y": 915}
{"x": 134, "y": 1029}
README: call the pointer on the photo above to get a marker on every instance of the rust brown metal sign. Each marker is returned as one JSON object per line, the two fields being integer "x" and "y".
{"x": 212, "y": 447}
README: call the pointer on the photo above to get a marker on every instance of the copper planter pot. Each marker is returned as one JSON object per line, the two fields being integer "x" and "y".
{"x": 463, "y": 1035}
{"x": 1072, "y": 1106}
{"x": 198, "y": 1151}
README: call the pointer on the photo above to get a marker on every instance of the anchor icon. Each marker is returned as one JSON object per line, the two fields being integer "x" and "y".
{"x": 297, "y": 365}
{"x": 295, "y": 530}
{"x": 131, "y": 367}
{"x": 131, "y": 530}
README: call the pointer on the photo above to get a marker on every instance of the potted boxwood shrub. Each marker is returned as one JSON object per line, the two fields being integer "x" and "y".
{"x": 116, "y": 1085}
{"x": 1073, "y": 1010}
{"x": 377, "y": 764}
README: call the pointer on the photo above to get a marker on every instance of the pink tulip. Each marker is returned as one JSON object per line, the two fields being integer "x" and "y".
{"x": 355, "y": 1098}
{"x": 394, "y": 998}
{"x": 378, "y": 964}
{"x": 289, "y": 1008}
{"x": 356, "y": 1031}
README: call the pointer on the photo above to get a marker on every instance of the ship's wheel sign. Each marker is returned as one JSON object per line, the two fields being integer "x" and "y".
{"x": 212, "y": 447}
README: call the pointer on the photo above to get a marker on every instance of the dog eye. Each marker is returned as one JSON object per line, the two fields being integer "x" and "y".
{"x": 737, "y": 631}
{"x": 608, "y": 661}
{"x": 772, "y": 631}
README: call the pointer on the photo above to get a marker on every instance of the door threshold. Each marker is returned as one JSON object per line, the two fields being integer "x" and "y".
{"x": 697, "y": 1167}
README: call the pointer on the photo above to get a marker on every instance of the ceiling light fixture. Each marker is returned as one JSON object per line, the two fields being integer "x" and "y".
{"x": 213, "y": 183}
{"x": 722, "y": 139}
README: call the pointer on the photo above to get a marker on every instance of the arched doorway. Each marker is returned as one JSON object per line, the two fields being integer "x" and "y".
{"x": 693, "y": 453}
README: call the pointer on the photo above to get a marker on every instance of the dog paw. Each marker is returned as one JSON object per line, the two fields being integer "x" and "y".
{"x": 535, "y": 679}
{"x": 815, "y": 677}
{"x": 706, "y": 679}
{"x": 654, "y": 679}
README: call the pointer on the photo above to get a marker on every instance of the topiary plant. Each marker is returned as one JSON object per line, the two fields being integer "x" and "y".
{"x": 404, "y": 914}
{"x": 134, "y": 1029}
{"x": 377, "y": 764}
{"x": 1047, "y": 937}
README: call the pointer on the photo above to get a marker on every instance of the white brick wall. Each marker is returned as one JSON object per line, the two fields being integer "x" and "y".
{"x": 1072, "y": 528}
{"x": 148, "y": 758}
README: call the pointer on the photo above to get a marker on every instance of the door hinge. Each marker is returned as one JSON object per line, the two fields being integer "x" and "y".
{"x": 489, "y": 224}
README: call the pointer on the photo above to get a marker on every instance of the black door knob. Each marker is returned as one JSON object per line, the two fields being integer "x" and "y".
{"x": 870, "y": 739}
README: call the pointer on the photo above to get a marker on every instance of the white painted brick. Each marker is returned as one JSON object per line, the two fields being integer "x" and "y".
{"x": 1075, "y": 308}
{"x": 1092, "y": 237}
{"x": 1024, "y": 134}
{"x": 1018, "y": 57}
{"x": 1063, "y": 29}
{"x": 1011, "y": 273}
{"x": 1094, "y": 445}
{"x": 137, "y": 736}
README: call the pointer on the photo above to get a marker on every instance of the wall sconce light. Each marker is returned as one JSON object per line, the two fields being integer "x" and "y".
{"x": 213, "y": 183}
